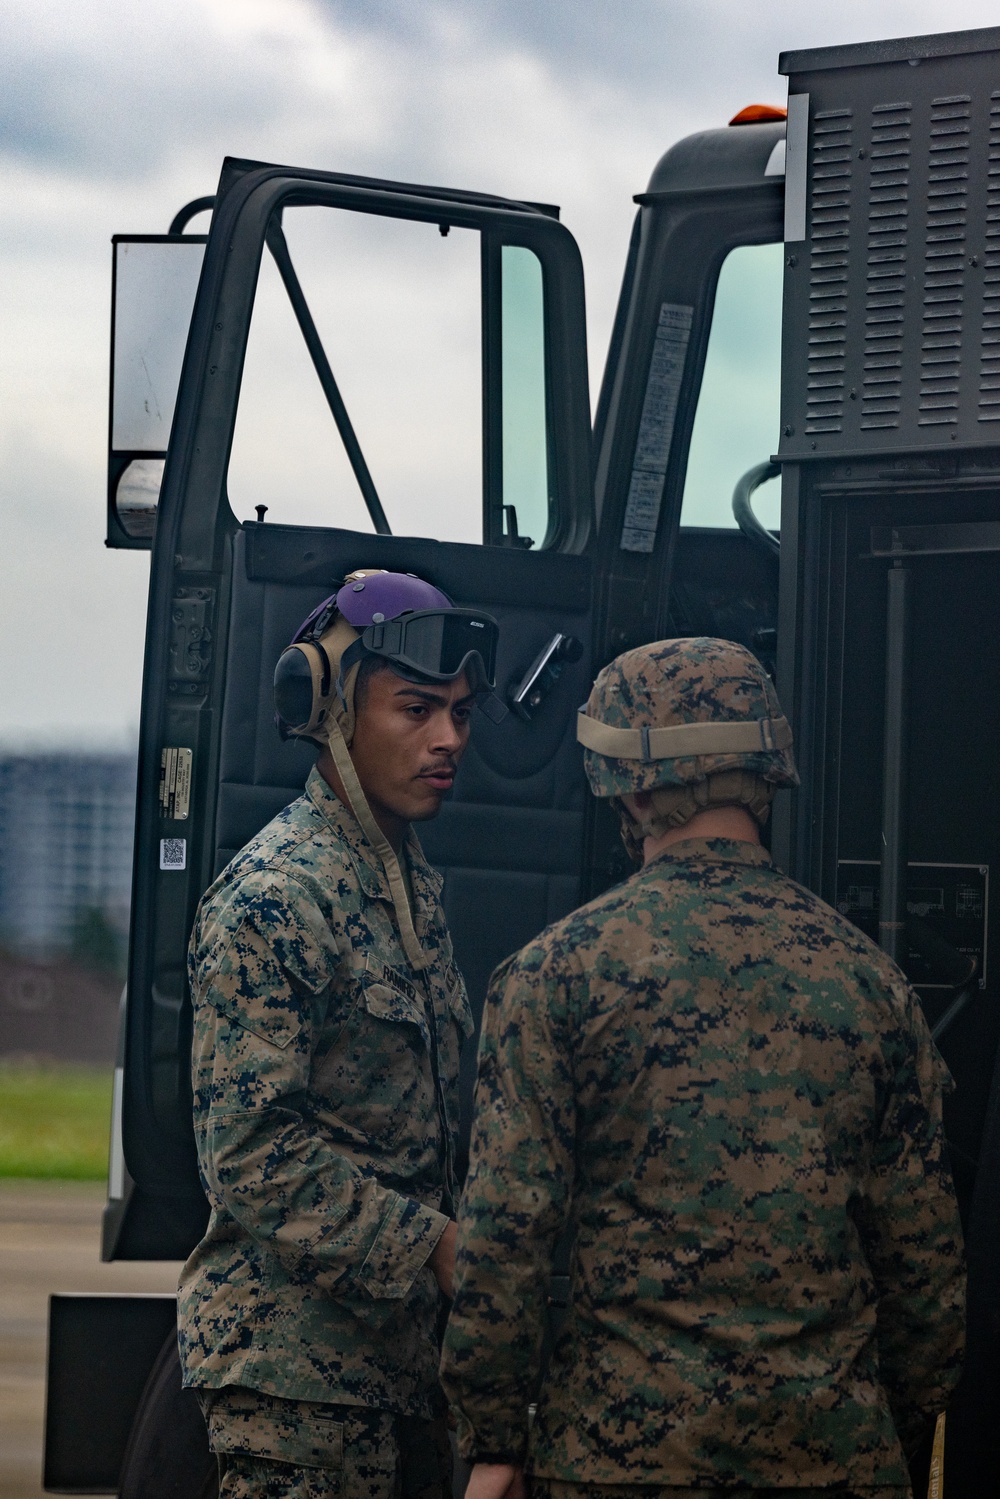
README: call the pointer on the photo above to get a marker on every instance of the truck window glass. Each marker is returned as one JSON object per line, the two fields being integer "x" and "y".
{"x": 736, "y": 423}
{"x": 525, "y": 453}
{"x": 397, "y": 305}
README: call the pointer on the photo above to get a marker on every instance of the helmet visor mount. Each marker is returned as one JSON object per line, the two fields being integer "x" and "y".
{"x": 437, "y": 645}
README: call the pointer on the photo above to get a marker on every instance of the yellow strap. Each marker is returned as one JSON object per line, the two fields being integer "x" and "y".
{"x": 751, "y": 736}
{"x": 935, "y": 1478}
{"x": 415, "y": 954}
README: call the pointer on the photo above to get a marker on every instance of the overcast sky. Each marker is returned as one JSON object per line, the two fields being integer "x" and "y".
{"x": 113, "y": 114}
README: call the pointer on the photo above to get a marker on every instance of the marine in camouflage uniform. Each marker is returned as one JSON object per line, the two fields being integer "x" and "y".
{"x": 325, "y": 1067}
{"x": 730, "y": 1099}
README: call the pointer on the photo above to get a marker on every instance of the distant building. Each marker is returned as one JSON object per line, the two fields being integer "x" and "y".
{"x": 57, "y": 1012}
{"x": 66, "y": 824}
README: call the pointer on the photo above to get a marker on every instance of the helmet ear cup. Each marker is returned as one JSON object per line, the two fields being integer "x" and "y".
{"x": 302, "y": 686}
{"x": 306, "y": 695}
{"x": 293, "y": 691}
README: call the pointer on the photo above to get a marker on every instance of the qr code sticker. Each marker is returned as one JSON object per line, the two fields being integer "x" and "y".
{"x": 173, "y": 853}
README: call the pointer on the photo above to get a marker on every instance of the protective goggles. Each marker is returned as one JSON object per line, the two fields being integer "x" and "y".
{"x": 435, "y": 645}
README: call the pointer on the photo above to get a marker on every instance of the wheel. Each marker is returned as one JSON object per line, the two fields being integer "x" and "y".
{"x": 167, "y": 1455}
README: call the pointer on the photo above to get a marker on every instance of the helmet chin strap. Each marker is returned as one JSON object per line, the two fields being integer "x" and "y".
{"x": 415, "y": 954}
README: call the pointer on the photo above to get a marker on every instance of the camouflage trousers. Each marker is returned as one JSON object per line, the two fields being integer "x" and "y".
{"x": 554, "y": 1488}
{"x": 269, "y": 1448}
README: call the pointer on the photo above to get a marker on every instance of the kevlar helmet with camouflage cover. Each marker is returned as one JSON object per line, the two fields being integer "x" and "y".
{"x": 696, "y": 722}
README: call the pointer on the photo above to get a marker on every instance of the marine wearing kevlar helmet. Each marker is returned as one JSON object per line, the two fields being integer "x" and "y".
{"x": 694, "y": 722}
{"x": 417, "y": 631}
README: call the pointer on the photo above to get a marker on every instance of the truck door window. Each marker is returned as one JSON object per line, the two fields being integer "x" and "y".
{"x": 736, "y": 422}
{"x": 525, "y": 438}
{"x": 397, "y": 305}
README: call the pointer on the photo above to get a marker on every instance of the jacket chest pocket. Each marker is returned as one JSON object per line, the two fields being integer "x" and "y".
{"x": 378, "y": 1079}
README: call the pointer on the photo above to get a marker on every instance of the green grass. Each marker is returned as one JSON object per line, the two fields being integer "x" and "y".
{"x": 54, "y": 1121}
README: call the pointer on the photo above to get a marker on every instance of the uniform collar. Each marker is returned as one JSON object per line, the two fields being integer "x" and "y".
{"x": 714, "y": 851}
{"x": 426, "y": 881}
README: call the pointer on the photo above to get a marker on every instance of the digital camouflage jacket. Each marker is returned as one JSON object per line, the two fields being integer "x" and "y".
{"x": 326, "y": 1103}
{"x": 731, "y": 1099}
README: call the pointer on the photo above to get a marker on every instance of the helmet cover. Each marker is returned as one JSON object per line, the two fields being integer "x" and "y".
{"x": 698, "y": 680}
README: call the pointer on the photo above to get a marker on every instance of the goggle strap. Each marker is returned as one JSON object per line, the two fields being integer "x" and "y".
{"x": 415, "y": 954}
{"x": 353, "y": 653}
{"x": 385, "y": 639}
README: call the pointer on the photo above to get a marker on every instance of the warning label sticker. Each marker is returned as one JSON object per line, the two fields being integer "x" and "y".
{"x": 175, "y": 784}
{"x": 656, "y": 428}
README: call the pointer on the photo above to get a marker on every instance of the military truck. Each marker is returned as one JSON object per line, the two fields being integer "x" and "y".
{"x": 867, "y": 232}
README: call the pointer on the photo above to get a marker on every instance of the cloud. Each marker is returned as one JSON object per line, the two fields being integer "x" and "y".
{"x": 115, "y": 112}
{"x": 644, "y": 51}
{"x": 112, "y": 90}
{"x": 71, "y": 613}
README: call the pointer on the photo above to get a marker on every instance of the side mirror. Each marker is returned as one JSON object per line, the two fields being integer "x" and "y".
{"x": 154, "y": 283}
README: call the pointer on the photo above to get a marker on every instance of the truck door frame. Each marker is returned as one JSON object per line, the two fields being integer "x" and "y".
{"x": 184, "y": 678}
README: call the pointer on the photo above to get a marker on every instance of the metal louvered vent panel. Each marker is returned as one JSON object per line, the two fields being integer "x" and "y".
{"x": 989, "y": 358}
{"x": 828, "y": 260}
{"x": 891, "y": 336}
{"x": 885, "y": 282}
{"x": 947, "y": 207}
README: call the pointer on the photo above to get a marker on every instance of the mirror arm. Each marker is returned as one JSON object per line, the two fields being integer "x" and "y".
{"x": 278, "y": 247}
{"x": 743, "y": 510}
{"x": 184, "y": 215}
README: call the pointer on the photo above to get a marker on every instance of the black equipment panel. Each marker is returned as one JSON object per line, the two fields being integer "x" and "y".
{"x": 949, "y": 900}
{"x": 892, "y": 283}
{"x": 933, "y": 756}
{"x": 889, "y": 641}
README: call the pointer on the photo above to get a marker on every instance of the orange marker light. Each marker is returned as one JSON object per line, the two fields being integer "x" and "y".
{"x": 759, "y": 114}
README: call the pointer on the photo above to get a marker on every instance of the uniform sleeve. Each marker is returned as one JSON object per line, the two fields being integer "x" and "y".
{"x": 260, "y": 1000}
{"x": 514, "y": 1206}
{"x": 913, "y": 1240}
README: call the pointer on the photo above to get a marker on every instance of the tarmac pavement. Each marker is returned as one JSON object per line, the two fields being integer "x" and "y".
{"x": 49, "y": 1241}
